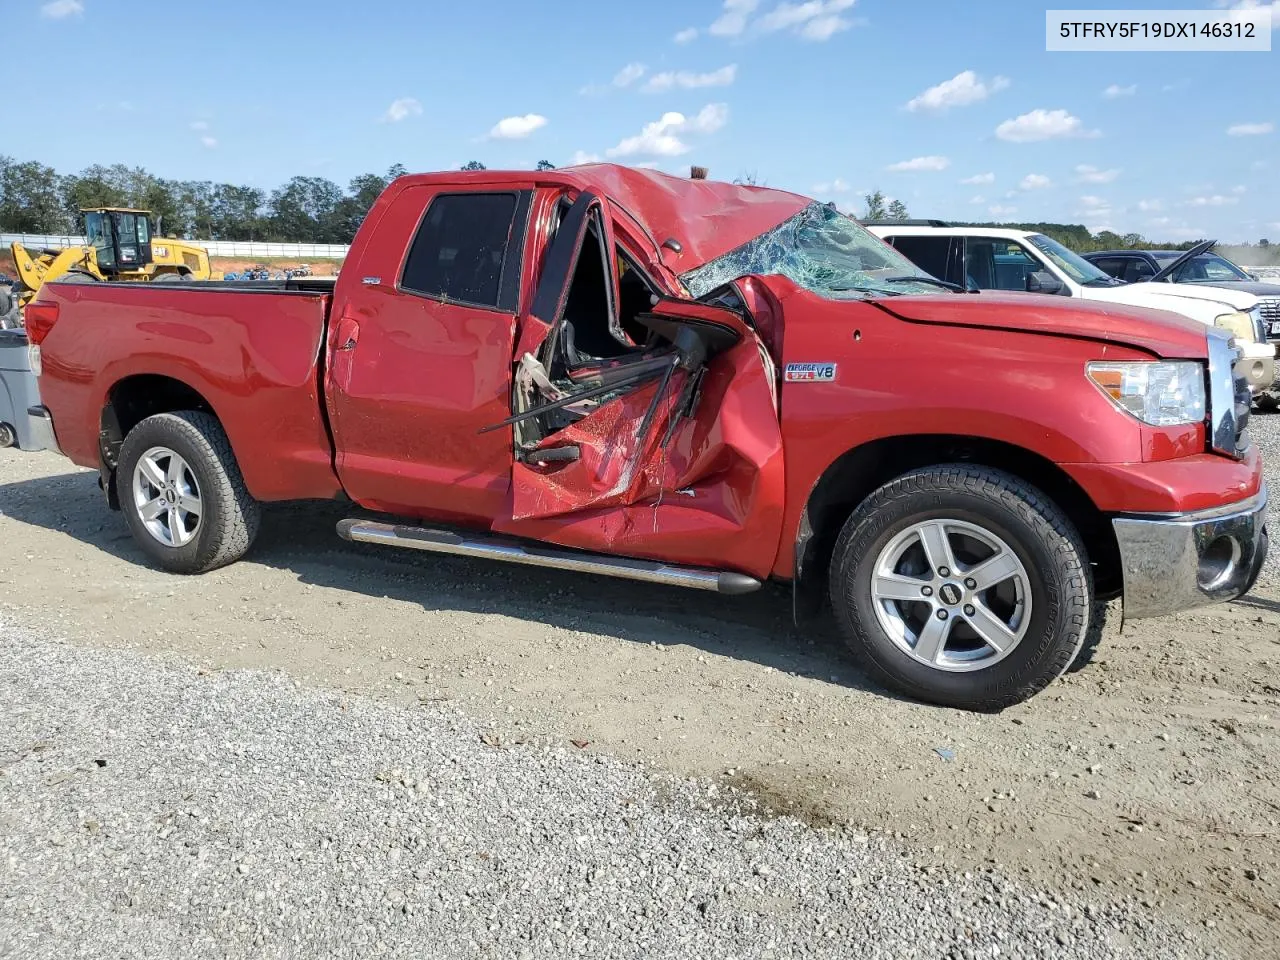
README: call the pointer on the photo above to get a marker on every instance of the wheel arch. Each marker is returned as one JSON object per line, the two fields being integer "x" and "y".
{"x": 859, "y": 471}
{"x": 130, "y": 401}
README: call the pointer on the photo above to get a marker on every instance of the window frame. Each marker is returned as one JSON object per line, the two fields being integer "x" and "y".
{"x": 510, "y": 295}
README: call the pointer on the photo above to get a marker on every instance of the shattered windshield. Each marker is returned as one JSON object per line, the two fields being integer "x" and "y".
{"x": 821, "y": 250}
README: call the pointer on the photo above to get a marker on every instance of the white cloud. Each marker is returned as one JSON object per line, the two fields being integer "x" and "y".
{"x": 628, "y": 74}
{"x": 402, "y": 109}
{"x": 960, "y": 91}
{"x": 209, "y": 142}
{"x": 1150, "y": 206}
{"x": 662, "y": 82}
{"x": 1043, "y": 125}
{"x": 815, "y": 20}
{"x": 662, "y": 138}
{"x": 1035, "y": 181}
{"x": 1214, "y": 200}
{"x": 1240, "y": 7}
{"x": 835, "y": 186}
{"x": 61, "y": 9}
{"x": 921, "y": 163}
{"x": 688, "y": 35}
{"x": 1240, "y": 188}
{"x": 517, "y": 128}
{"x": 733, "y": 19}
{"x": 998, "y": 211}
{"x": 199, "y": 125}
{"x": 1116, "y": 91}
{"x": 978, "y": 199}
{"x": 1090, "y": 202}
{"x": 1250, "y": 129}
{"x": 980, "y": 178}
{"x": 1258, "y": 165}
{"x": 581, "y": 156}
{"x": 1088, "y": 174}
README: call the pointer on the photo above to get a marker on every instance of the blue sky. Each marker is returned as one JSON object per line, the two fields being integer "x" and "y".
{"x": 954, "y": 107}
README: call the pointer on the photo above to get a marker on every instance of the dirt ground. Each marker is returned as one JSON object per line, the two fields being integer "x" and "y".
{"x": 1151, "y": 773}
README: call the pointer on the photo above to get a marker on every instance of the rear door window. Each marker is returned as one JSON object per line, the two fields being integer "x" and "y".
{"x": 934, "y": 255}
{"x": 468, "y": 250}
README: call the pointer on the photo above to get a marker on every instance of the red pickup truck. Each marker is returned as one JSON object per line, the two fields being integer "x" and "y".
{"x": 620, "y": 372}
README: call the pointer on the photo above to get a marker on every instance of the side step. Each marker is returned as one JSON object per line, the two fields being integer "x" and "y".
{"x": 538, "y": 555}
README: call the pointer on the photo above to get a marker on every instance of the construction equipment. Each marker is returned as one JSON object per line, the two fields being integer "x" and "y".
{"x": 120, "y": 246}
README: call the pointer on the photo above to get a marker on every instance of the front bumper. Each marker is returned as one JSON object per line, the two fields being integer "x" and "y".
{"x": 1257, "y": 364}
{"x": 1177, "y": 561}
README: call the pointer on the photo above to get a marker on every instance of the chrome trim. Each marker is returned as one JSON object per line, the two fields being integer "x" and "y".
{"x": 40, "y": 430}
{"x": 538, "y": 555}
{"x": 1161, "y": 554}
{"x": 1223, "y": 355}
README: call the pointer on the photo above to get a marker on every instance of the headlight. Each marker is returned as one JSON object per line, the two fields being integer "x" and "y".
{"x": 1243, "y": 326}
{"x": 1161, "y": 393}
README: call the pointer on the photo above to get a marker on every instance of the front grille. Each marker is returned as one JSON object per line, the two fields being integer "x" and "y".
{"x": 1244, "y": 404}
{"x": 1228, "y": 396}
{"x": 1269, "y": 308}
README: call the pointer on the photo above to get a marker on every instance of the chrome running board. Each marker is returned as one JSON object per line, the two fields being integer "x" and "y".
{"x": 540, "y": 555}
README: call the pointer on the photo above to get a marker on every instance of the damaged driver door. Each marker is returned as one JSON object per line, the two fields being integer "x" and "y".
{"x": 642, "y": 425}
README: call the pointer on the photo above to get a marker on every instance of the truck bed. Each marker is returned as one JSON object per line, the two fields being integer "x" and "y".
{"x": 251, "y": 350}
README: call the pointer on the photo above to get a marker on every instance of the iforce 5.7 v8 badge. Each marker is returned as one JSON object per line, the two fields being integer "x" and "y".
{"x": 810, "y": 372}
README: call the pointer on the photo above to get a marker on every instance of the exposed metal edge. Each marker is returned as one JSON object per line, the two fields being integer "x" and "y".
{"x": 443, "y": 541}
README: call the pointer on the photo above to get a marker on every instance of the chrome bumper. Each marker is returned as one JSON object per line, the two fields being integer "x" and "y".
{"x": 40, "y": 430}
{"x": 1178, "y": 561}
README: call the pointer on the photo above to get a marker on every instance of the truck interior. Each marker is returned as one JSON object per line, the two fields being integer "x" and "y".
{"x": 604, "y": 340}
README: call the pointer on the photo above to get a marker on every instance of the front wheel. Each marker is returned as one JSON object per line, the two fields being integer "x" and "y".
{"x": 182, "y": 493}
{"x": 962, "y": 586}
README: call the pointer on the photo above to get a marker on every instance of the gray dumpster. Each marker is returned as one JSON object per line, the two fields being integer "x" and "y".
{"x": 18, "y": 391}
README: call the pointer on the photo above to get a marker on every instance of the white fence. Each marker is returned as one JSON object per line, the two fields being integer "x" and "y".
{"x": 247, "y": 249}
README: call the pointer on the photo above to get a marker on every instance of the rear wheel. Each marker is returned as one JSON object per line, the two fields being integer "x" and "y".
{"x": 170, "y": 277}
{"x": 182, "y": 493}
{"x": 962, "y": 586}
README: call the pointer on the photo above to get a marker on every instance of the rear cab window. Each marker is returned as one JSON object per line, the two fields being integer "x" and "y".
{"x": 468, "y": 249}
{"x": 935, "y": 255}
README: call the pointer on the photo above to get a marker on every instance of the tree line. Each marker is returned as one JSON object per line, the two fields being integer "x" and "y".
{"x": 35, "y": 198}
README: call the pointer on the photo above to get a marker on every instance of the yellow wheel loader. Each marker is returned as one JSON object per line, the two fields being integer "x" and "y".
{"x": 120, "y": 247}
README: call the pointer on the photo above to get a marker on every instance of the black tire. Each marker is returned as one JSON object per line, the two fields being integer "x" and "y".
{"x": 170, "y": 276}
{"x": 229, "y": 516}
{"x": 1039, "y": 535}
{"x": 1267, "y": 402}
{"x": 77, "y": 276}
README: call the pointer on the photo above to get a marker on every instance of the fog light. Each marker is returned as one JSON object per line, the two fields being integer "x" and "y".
{"x": 1218, "y": 562}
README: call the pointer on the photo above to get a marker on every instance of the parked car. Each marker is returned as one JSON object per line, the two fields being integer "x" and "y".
{"x": 994, "y": 258}
{"x": 1199, "y": 265}
{"x": 615, "y": 371}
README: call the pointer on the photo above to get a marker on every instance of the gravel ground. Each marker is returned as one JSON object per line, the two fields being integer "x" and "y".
{"x": 1148, "y": 780}
{"x": 216, "y": 814}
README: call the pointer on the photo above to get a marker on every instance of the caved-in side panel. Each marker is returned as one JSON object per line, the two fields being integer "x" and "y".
{"x": 715, "y": 491}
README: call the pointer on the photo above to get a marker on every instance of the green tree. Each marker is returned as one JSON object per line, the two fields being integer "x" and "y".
{"x": 544, "y": 165}
{"x": 898, "y": 211}
{"x": 31, "y": 198}
{"x": 306, "y": 210}
{"x": 237, "y": 212}
{"x": 474, "y": 165}
{"x": 875, "y": 206}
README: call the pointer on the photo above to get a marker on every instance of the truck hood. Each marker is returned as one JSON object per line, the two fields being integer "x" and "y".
{"x": 1156, "y": 331}
{"x": 1165, "y": 296}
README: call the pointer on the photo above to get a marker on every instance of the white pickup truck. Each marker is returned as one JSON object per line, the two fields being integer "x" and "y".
{"x": 994, "y": 258}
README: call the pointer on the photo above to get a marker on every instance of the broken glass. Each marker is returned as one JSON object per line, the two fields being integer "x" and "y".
{"x": 821, "y": 250}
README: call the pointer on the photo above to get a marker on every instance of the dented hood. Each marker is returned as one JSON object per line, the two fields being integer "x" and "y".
{"x": 1156, "y": 331}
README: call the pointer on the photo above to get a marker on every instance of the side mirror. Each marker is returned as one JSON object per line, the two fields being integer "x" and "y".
{"x": 1042, "y": 281}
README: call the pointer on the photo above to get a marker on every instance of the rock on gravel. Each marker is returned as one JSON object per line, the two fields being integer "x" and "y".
{"x": 157, "y": 810}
